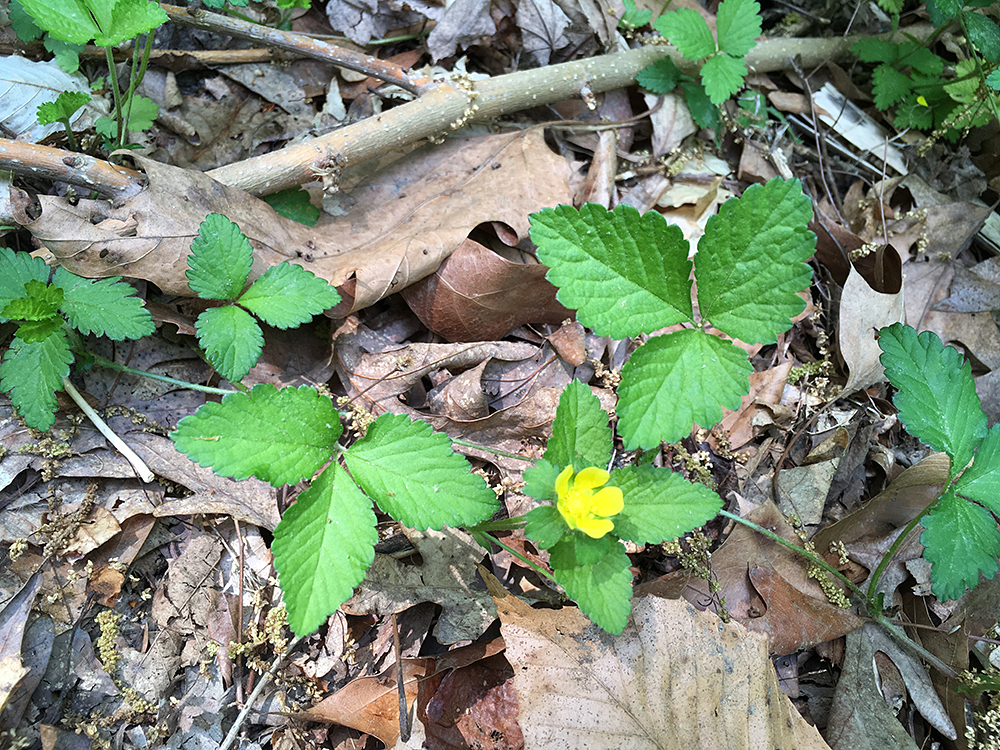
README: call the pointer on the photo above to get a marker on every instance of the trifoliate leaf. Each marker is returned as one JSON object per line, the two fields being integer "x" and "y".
{"x": 660, "y": 504}
{"x": 220, "y": 259}
{"x": 688, "y": 32}
{"x": 624, "y": 273}
{"x": 579, "y": 549}
{"x": 738, "y": 25}
{"x": 142, "y": 114}
{"x": 415, "y": 477}
{"x": 294, "y": 203}
{"x": 68, "y": 20}
{"x": 287, "y": 295}
{"x": 23, "y": 24}
{"x": 602, "y": 590}
{"x": 322, "y": 548}
{"x": 581, "y": 435}
{"x": 674, "y": 381}
{"x": 960, "y": 541}
{"x": 984, "y": 35}
{"x": 750, "y": 264}
{"x": 981, "y": 481}
{"x": 889, "y": 86}
{"x": 34, "y": 331}
{"x": 232, "y": 340}
{"x": 704, "y": 113}
{"x": 545, "y": 526}
{"x": 540, "y": 480}
{"x": 32, "y": 373}
{"x": 661, "y": 77}
{"x": 722, "y": 76}
{"x": 106, "y": 307}
{"x": 277, "y": 436}
{"x": 16, "y": 270}
{"x": 130, "y": 18}
{"x": 869, "y": 49}
{"x": 63, "y": 108}
{"x": 937, "y": 398}
{"x": 42, "y": 301}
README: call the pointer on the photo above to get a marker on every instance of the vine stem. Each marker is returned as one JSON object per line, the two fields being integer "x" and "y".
{"x": 137, "y": 463}
{"x": 484, "y": 539}
{"x": 98, "y": 359}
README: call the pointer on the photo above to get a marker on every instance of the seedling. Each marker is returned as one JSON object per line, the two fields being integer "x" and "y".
{"x": 61, "y": 110}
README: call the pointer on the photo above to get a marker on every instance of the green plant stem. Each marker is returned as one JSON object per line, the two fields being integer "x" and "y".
{"x": 116, "y": 89}
{"x": 99, "y": 360}
{"x": 484, "y": 540}
{"x": 894, "y": 548}
{"x": 70, "y": 140}
{"x": 488, "y": 449}
{"x": 504, "y": 524}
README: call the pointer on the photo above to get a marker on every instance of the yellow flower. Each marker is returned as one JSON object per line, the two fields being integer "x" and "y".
{"x": 584, "y": 509}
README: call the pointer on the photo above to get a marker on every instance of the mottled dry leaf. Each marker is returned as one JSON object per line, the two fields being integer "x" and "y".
{"x": 863, "y": 311}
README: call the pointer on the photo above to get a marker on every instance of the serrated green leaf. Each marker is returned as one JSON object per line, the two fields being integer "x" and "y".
{"x": 704, "y": 113}
{"x": 322, "y": 548}
{"x": 889, "y": 86}
{"x": 579, "y": 549}
{"x": 891, "y": 6}
{"x": 581, "y": 435}
{"x": 32, "y": 373}
{"x": 287, "y": 295}
{"x": 624, "y": 273}
{"x": 750, "y": 263}
{"x": 22, "y": 23}
{"x": 926, "y": 62}
{"x": 68, "y": 20}
{"x": 661, "y": 77}
{"x": 676, "y": 380}
{"x": 688, "y": 32}
{"x": 65, "y": 55}
{"x": 42, "y": 301}
{"x": 943, "y": 10}
{"x": 634, "y": 18}
{"x": 722, "y": 76}
{"x": 912, "y": 114}
{"x": 961, "y": 540}
{"x": 545, "y": 526}
{"x": 294, "y": 203}
{"x": 993, "y": 79}
{"x": 34, "y": 331}
{"x": 63, "y": 108}
{"x": 106, "y": 307}
{"x": 220, "y": 259}
{"x": 738, "y": 25}
{"x": 129, "y": 19}
{"x": 937, "y": 398}
{"x": 415, "y": 477}
{"x": 660, "y": 504}
{"x": 602, "y": 590}
{"x": 984, "y": 35}
{"x": 540, "y": 480}
{"x": 142, "y": 113}
{"x": 870, "y": 49}
{"x": 277, "y": 436}
{"x": 981, "y": 481}
{"x": 16, "y": 270}
{"x": 232, "y": 340}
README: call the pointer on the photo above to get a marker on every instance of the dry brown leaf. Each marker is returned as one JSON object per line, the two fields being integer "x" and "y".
{"x": 478, "y": 295}
{"x": 863, "y": 311}
{"x": 401, "y": 215}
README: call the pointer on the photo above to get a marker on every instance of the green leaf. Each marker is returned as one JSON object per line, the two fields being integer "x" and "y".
{"x": 34, "y": 331}
{"x": 623, "y": 272}
{"x": 540, "y": 480}
{"x": 738, "y": 25}
{"x": 322, "y": 548}
{"x": 660, "y": 504}
{"x": 705, "y": 114}
{"x": 981, "y": 481}
{"x": 960, "y": 541}
{"x": 912, "y": 114}
{"x": 22, "y": 23}
{"x": 943, "y": 10}
{"x": 581, "y": 435}
{"x": 287, "y": 295}
{"x": 579, "y": 549}
{"x": 661, "y": 77}
{"x": 602, "y": 590}
{"x": 106, "y": 126}
{"x": 16, "y": 270}
{"x": 675, "y": 380}
{"x": 142, "y": 114}
{"x": 63, "y": 108}
{"x": 294, "y": 203}
{"x": 750, "y": 263}
{"x": 546, "y": 526}
{"x": 937, "y": 398}
{"x": 129, "y": 19}
{"x": 926, "y": 62}
{"x": 232, "y": 340}
{"x": 278, "y": 436}
{"x": 107, "y": 307}
{"x": 891, "y": 6}
{"x": 889, "y": 86}
{"x": 42, "y": 301}
{"x": 415, "y": 477}
{"x": 634, "y": 18}
{"x": 984, "y": 35}
{"x": 723, "y": 76}
{"x": 65, "y": 55}
{"x": 220, "y": 259}
{"x": 32, "y": 373}
{"x": 68, "y": 20}
{"x": 688, "y": 32}
{"x": 870, "y": 49}
{"x": 993, "y": 79}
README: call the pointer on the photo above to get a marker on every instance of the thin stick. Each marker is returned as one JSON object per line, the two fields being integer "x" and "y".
{"x": 137, "y": 463}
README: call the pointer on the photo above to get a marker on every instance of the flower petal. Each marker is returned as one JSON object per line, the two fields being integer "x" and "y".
{"x": 562, "y": 481}
{"x": 591, "y": 478}
{"x": 595, "y": 528}
{"x": 608, "y": 502}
